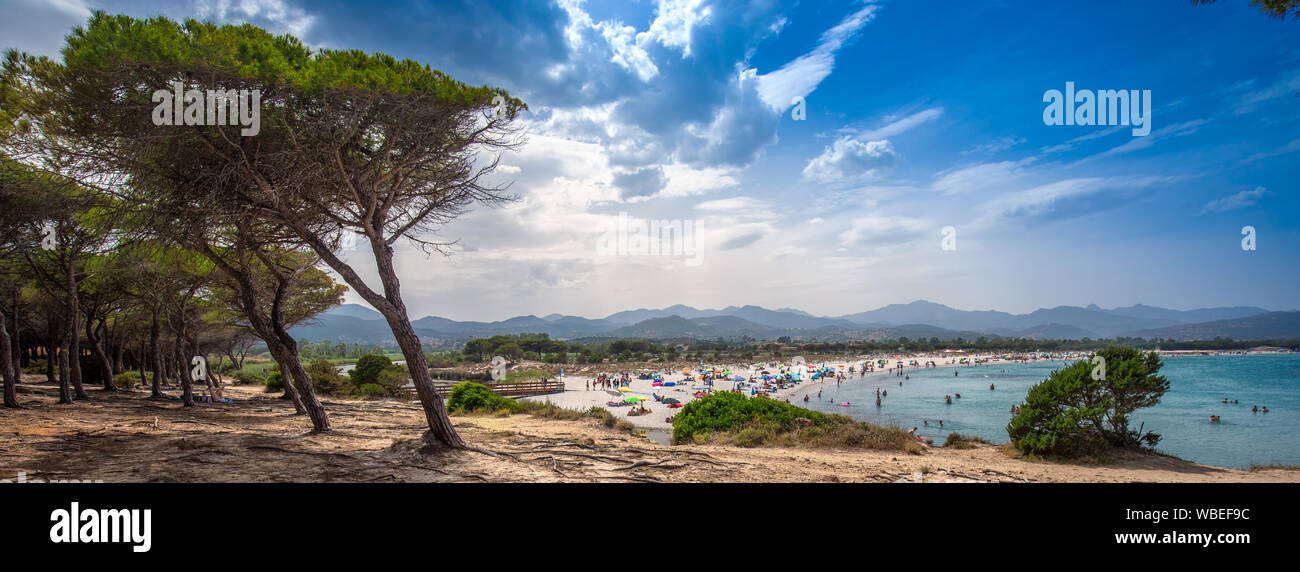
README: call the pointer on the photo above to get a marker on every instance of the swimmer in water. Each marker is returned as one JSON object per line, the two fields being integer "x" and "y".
{"x": 990, "y": 387}
{"x": 954, "y": 374}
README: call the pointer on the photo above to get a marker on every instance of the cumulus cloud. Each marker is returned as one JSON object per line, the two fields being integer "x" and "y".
{"x": 849, "y": 159}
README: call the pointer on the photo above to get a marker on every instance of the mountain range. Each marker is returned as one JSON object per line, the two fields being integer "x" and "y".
{"x": 353, "y": 323}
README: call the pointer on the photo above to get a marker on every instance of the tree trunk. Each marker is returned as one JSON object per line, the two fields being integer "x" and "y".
{"x": 17, "y": 343}
{"x": 96, "y": 338}
{"x": 70, "y": 341}
{"x": 7, "y": 367}
{"x": 119, "y": 355}
{"x": 140, "y": 363}
{"x": 49, "y": 358}
{"x": 65, "y": 390}
{"x": 435, "y": 412}
{"x": 155, "y": 354}
{"x": 282, "y": 359}
{"x": 187, "y": 386}
{"x": 301, "y": 379}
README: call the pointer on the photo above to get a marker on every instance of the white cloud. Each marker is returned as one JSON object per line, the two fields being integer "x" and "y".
{"x": 801, "y": 76}
{"x": 274, "y": 15}
{"x": 849, "y": 159}
{"x": 898, "y": 125}
{"x": 982, "y": 177}
{"x": 1240, "y": 200}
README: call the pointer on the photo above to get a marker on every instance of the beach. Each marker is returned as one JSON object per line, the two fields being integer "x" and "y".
{"x": 577, "y": 396}
{"x": 127, "y": 437}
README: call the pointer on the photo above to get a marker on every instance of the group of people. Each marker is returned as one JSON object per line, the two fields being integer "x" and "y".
{"x": 608, "y": 381}
{"x": 1253, "y": 409}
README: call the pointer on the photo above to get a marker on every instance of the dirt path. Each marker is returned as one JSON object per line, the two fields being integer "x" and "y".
{"x": 126, "y": 436}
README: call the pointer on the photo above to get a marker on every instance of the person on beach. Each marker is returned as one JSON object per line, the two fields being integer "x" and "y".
{"x": 805, "y": 399}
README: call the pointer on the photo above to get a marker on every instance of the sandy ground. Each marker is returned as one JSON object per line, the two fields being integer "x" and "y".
{"x": 125, "y": 436}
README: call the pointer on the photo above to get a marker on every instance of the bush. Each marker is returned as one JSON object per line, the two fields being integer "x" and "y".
{"x": 762, "y": 421}
{"x": 956, "y": 440}
{"x": 372, "y": 391}
{"x": 247, "y": 377}
{"x": 325, "y": 377}
{"x": 1070, "y": 414}
{"x": 274, "y": 382}
{"x": 368, "y": 368}
{"x": 128, "y": 379}
{"x": 392, "y": 378}
{"x": 467, "y": 397}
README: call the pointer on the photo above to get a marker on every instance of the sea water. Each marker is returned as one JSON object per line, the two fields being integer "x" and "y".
{"x": 1197, "y": 387}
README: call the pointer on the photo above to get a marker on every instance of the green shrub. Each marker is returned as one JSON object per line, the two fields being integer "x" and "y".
{"x": 731, "y": 411}
{"x": 325, "y": 377}
{"x": 392, "y": 378}
{"x": 368, "y": 368}
{"x": 956, "y": 440}
{"x": 1070, "y": 414}
{"x": 468, "y": 397}
{"x": 127, "y": 379}
{"x": 372, "y": 391}
{"x": 274, "y": 382}
{"x": 764, "y": 422}
{"x": 247, "y": 377}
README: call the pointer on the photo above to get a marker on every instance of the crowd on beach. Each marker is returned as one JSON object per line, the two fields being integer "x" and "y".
{"x": 673, "y": 386}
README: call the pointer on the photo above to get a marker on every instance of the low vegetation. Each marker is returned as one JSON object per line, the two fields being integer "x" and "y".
{"x": 956, "y": 440}
{"x": 762, "y": 422}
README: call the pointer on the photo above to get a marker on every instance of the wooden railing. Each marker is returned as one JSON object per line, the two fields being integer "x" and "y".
{"x": 517, "y": 389}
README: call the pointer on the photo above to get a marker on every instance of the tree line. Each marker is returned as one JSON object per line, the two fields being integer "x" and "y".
{"x": 166, "y": 243}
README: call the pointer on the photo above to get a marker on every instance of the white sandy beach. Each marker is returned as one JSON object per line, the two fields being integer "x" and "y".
{"x": 576, "y": 395}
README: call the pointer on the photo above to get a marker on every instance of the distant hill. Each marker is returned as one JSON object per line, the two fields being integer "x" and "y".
{"x": 1269, "y": 326}
{"x": 920, "y": 319}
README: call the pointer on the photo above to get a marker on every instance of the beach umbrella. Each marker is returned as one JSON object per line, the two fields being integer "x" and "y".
{"x": 625, "y": 389}
{"x": 670, "y": 400}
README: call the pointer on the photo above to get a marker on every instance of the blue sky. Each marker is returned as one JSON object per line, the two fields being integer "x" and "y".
{"x": 919, "y": 115}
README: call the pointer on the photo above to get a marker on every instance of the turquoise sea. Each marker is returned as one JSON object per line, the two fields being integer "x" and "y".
{"x": 1198, "y": 385}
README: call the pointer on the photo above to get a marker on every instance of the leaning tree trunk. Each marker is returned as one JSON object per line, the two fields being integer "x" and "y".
{"x": 7, "y": 367}
{"x": 319, "y": 420}
{"x": 96, "y": 338}
{"x": 306, "y": 391}
{"x": 435, "y": 412}
{"x": 290, "y": 392}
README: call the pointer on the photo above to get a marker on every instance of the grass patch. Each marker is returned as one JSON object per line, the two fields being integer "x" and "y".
{"x": 526, "y": 375}
{"x": 762, "y": 422}
{"x": 956, "y": 440}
